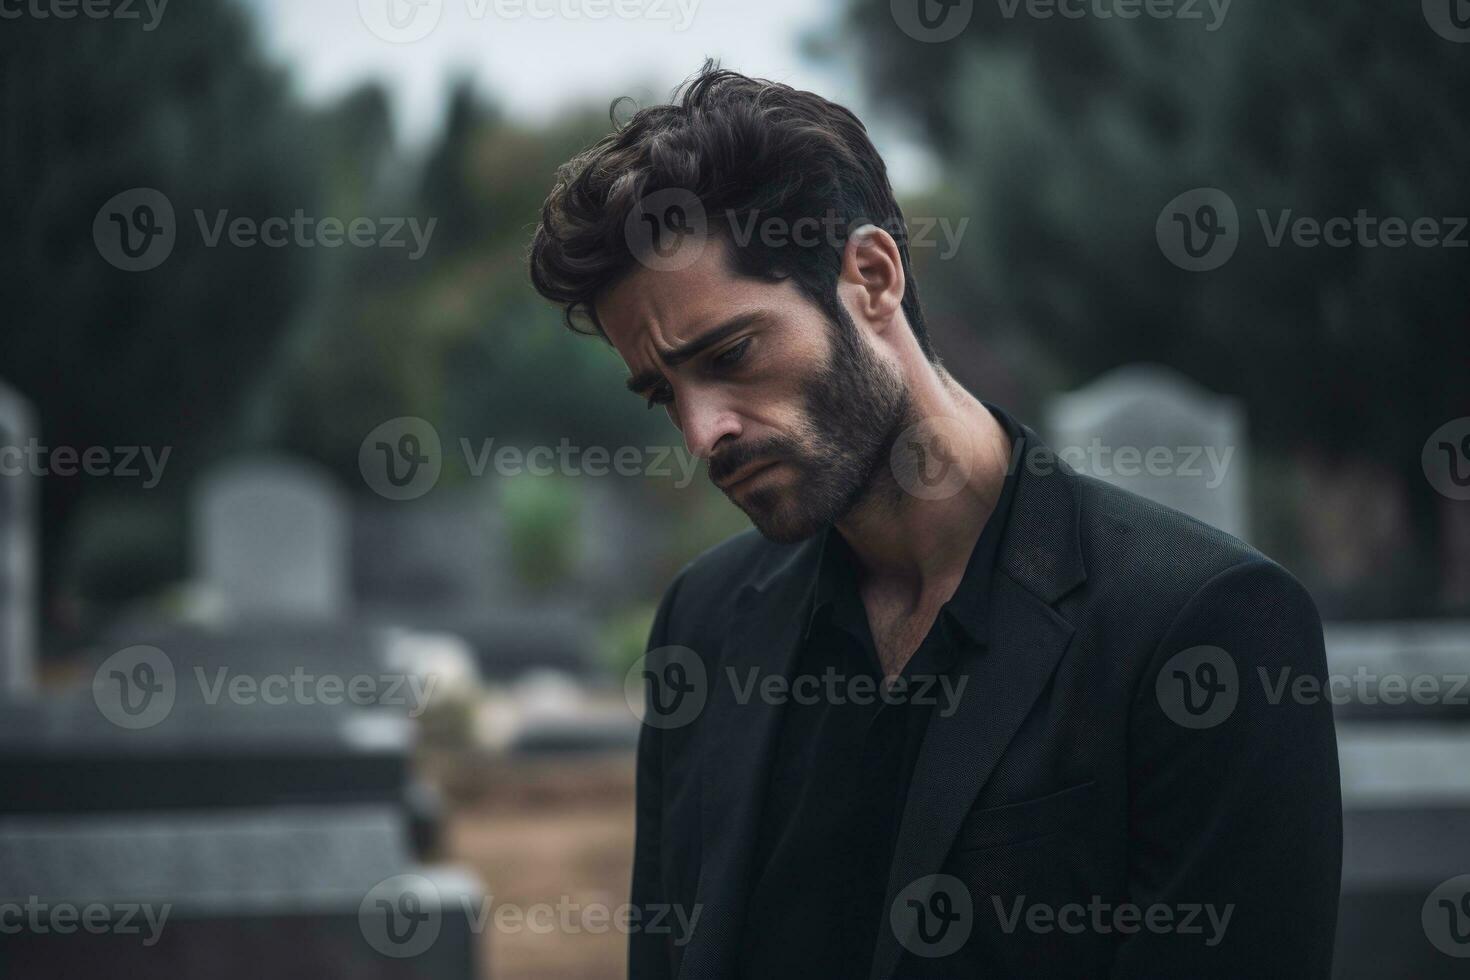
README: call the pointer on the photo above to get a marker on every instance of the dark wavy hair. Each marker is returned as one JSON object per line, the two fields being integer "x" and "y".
{"x": 746, "y": 148}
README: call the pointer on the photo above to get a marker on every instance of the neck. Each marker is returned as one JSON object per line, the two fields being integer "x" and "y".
{"x": 918, "y": 548}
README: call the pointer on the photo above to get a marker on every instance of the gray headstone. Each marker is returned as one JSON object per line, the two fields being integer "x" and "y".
{"x": 309, "y": 892}
{"x": 271, "y": 539}
{"x": 447, "y": 548}
{"x": 18, "y": 524}
{"x": 618, "y": 538}
{"x": 1154, "y": 432}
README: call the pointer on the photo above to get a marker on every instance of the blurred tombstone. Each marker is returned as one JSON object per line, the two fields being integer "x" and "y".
{"x": 18, "y": 518}
{"x": 257, "y": 834}
{"x": 618, "y": 539}
{"x": 1154, "y": 432}
{"x": 271, "y": 539}
{"x": 1401, "y": 699}
{"x": 446, "y": 550}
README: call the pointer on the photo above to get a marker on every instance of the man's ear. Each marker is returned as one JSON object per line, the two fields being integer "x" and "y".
{"x": 872, "y": 279}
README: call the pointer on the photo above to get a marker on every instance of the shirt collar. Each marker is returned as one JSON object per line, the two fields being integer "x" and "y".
{"x": 969, "y": 606}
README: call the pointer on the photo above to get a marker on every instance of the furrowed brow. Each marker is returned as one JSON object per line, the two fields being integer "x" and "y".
{"x": 680, "y": 353}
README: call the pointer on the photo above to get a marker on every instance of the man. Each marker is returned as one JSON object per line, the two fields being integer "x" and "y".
{"x": 955, "y": 710}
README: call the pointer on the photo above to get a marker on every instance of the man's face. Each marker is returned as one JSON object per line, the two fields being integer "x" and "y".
{"x": 795, "y": 413}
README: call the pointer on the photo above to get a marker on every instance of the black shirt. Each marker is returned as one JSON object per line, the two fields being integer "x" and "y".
{"x": 840, "y": 773}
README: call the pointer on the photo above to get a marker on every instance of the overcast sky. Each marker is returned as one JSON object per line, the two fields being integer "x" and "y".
{"x": 535, "y": 65}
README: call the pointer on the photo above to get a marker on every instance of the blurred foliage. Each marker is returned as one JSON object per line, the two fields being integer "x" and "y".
{"x": 89, "y": 109}
{"x": 226, "y": 349}
{"x": 542, "y": 528}
{"x": 1062, "y": 140}
{"x": 623, "y": 638}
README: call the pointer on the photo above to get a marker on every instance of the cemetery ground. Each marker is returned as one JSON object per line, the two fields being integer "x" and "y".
{"x": 541, "y": 829}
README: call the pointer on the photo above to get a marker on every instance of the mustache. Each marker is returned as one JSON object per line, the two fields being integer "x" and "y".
{"x": 732, "y": 460}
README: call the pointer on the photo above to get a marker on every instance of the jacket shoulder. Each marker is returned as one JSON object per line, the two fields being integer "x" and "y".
{"x": 704, "y": 591}
{"x": 1156, "y": 547}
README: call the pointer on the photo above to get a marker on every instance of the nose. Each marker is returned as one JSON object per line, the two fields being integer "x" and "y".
{"x": 705, "y": 420}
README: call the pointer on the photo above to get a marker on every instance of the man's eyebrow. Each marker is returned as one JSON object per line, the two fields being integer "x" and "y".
{"x": 680, "y": 353}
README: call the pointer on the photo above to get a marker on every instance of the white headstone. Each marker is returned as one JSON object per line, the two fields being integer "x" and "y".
{"x": 18, "y": 532}
{"x": 1152, "y": 431}
{"x": 271, "y": 539}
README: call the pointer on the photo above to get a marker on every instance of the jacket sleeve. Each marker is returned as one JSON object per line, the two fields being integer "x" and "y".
{"x": 1235, "y": 808}
{"x": 648, "y": 954}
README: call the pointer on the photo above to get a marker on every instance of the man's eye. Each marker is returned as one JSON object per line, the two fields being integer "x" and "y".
{"x": 733, "y": 354}
{"x": 661, "y": 395}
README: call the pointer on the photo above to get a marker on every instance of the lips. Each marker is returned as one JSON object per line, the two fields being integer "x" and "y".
{"x": 746, "y": 473}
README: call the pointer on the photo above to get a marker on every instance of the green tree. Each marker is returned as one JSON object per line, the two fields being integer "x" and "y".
{"x": 1064, "y": 139}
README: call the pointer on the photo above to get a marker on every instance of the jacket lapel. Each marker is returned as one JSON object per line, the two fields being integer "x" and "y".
{"x": 1039, "y": 561}
{"x": 740, "y": 731}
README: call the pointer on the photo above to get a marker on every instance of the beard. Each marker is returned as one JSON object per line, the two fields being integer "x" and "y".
{"x": 855, "y": 407}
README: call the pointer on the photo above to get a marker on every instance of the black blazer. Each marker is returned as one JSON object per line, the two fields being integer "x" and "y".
{"x": 1089, "y": 768}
